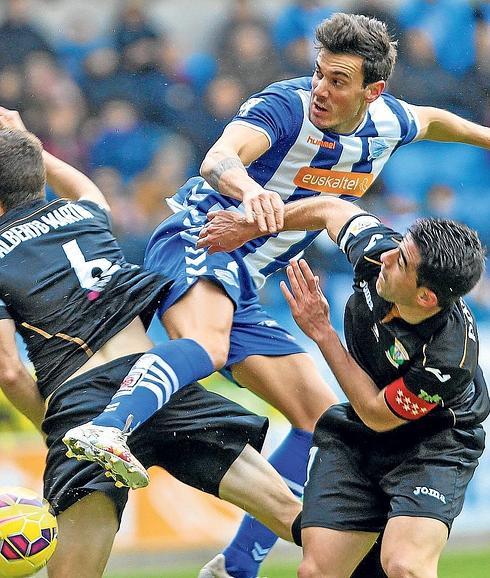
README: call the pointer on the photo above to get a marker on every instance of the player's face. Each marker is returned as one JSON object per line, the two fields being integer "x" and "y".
{"x": 339, "y": 98}
{"x": 397, "y": 280}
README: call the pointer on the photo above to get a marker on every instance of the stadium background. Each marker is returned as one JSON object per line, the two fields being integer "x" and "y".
{"x": 133, "y": 93}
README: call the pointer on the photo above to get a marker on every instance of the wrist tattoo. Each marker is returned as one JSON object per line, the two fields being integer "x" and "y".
{"x": 221, "y": 167}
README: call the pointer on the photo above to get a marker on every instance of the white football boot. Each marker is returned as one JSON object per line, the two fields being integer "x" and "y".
{"x": 107, "y": 446}
{"x": 215, "y": 568}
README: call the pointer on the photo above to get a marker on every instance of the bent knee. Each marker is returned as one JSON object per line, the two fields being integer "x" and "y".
{"x": 216, "y": 345}
{"x": 215, "y": 341}
{"x": 310, "y": 569}
{"x": 398, "y": 567}
{"x": 218, "y": 352}
{"x": 301, "y": 413}
{"x": 304, "y": 405}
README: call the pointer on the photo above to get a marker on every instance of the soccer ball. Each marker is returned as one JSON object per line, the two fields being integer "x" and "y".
{"x": 28, "y": 532}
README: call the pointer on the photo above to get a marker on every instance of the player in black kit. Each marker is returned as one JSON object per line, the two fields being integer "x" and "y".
{"x": 401, "y": 453}
{"x": 82, "y": 311}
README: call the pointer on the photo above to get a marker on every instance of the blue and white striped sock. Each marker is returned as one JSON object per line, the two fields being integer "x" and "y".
{"x": 156, "y": 375}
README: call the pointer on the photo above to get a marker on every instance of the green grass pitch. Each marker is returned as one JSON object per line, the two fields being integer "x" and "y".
{"x": 467, "y": 564}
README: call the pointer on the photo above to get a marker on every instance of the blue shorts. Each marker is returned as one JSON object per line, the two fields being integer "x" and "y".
{"x": 172, "y": 252}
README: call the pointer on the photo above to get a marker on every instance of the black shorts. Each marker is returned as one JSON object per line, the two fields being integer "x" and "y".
{"x": 359, "y": 478}
{"x": 196, "y": 436}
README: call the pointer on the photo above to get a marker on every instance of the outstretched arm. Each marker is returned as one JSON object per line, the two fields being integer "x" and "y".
{"x": 16, "y": 382}
{"x": 440, "y": 125}
{"x": 224, "y": 169}
{"x": 228, "y": 230}
{"x": 316, "y": 213}
{"x": 65, "y": 180}
{"x": 311, "y": 312}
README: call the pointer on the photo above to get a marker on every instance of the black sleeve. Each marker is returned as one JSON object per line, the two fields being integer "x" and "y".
{"x": 363, "y": 239}
{"x": 103, "y": 217}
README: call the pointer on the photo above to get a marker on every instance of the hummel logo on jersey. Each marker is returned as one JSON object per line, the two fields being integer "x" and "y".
{"x": 247, "y": 105}
{"x": 442, "y": 377}
{"x": 321, "y": 143}
{"x": 425, "y": 491}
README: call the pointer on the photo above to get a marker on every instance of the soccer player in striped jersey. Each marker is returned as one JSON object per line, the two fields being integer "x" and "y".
{"x": 326, "y": 134}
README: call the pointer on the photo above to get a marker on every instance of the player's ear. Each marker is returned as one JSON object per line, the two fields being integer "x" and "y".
{"x": 373, "y": 90}
{"x": 426, "y": 298}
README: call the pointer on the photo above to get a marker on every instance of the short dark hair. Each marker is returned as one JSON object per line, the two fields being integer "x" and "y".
{"x": 452, "y": 258}
{"x": 22, "y": 171}
{"x": 366, "y": 37}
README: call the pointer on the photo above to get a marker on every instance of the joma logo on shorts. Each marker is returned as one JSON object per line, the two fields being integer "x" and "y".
{"x": 424, "y": 490}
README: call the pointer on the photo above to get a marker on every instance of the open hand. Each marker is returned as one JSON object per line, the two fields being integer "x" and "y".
{"x": 308, "y": 305}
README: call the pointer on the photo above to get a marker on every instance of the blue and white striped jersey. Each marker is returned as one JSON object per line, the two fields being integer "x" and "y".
{"x": 303, "y": 161}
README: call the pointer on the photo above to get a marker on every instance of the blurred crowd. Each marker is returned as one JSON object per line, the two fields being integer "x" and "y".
{"x": 137, "y": 114}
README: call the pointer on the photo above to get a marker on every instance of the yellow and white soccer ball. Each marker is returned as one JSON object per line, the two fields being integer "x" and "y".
{"x": 28, "y": 532}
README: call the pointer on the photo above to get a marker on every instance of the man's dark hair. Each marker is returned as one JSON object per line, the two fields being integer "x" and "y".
{"x": 452, "y": 258}
{"x": 22, "y": 171}
{"x": 365, "y": 37}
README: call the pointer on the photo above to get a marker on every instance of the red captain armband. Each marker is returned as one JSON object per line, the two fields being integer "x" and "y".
{"x": 405, "y": 404}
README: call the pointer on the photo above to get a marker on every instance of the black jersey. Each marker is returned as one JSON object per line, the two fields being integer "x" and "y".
{"x": 65, "y": 283}
{"x": 424, "y": 367}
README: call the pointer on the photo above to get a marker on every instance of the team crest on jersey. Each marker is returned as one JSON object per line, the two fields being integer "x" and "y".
{"x": 247, "y": 105}
{"x": 377, "y": 146}
{"x": 397, "y": 354}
